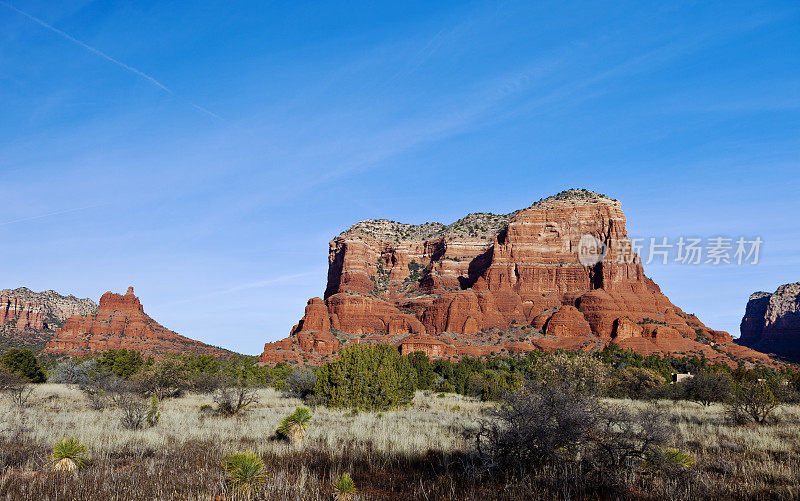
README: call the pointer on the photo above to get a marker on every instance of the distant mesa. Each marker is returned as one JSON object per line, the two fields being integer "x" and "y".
{"x": 120, "y": 322}
{"x": 497, "y": 284}
{"x": 771, "y": 322}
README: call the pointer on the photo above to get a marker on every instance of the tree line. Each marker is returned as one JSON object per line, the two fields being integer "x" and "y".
{"x": 378, "y": 377}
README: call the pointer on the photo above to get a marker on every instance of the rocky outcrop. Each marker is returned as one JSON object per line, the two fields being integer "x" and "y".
{"x": 558, "y": 274}
{"x": 771, "y": 322}
{"x": 30, "y": 319}
{"x": 24, "y": 315}
{"x": 120, "y": 322}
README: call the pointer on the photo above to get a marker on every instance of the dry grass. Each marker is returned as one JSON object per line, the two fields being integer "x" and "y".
{"x": 415, "y": 453}
{"x": 58, "y": 410}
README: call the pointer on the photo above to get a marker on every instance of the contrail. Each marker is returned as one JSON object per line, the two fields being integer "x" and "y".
{"x": 246, "y": 286}
{"x": 56, "y": 213}
{"x": 106, "y": 57}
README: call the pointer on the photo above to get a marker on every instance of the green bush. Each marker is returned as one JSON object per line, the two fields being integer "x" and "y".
{"x": 23, "y": 362}
{"x": 122, "y": 363}
{"x": 367, "y": 378}
{"x": 636, "y": 382}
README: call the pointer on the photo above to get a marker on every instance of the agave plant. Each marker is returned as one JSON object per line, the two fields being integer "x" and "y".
{"x": 68, "y": 455}
{"x": 344, "y": 489}
{"x": 294, "y": 426}
{"x": 245, "y": 472}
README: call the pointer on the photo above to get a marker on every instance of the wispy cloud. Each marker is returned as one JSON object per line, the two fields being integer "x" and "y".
{"x": 108, "y": 58}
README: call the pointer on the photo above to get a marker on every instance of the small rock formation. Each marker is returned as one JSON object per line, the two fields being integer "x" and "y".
{"x": 771, "y": 322}
{"x": 120, "y": 322}
{"x": 493, "y": 283}
{"x": 30, "y": 319}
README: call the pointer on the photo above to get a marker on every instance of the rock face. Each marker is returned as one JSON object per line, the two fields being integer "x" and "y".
{"x": 31, "y": 319}
{"x": 496, "y": 284}
{"x": 120, "y": 322}
{"x": 771, "y": 322}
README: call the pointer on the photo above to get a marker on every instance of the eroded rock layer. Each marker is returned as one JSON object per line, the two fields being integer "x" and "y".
{"x": 120, "y": 322}
{"x": 30, "y": 319}
{"x": 497, "y": 284}
{"x": 771, "y": 322}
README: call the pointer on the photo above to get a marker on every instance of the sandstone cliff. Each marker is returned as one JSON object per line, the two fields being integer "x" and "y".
{"x": 771, "y": 322}
{"x": 120, "y": 322}
{"x": 31, "y": 319}
{"x": 493, "y": 283}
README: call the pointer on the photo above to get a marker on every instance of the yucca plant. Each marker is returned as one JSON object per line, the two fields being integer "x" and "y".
{"x": 245, "y": 472}
{"x": 293, "y": 427}
{"x": 670, "y": 458}
{"x": 344, "y": 489}
{"x": 68, "y": 455}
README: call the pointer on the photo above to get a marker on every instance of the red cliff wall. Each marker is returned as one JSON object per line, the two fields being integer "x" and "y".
{"x": 493, "y": 284}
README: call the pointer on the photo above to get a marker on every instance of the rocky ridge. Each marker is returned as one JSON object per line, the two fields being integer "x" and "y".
{"x": 30, "y": 319}
{"x": 771, "y": 322}
{"x": 497, "y": 284}
{"x": 120, "y": 322}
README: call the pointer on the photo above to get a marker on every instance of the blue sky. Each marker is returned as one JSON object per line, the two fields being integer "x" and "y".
{"x": 207, "y": 152}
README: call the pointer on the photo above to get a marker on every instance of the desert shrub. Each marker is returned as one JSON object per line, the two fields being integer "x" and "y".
{"x": 344, "y": 488}
{"x": 122, "y": 363}
{"x": 134, "y": 409}
{"x": 293, "y": 427}
{"x": 244, "y": 472}
{"x": 235, "y": 394}
{"x": 201, "y": 364}
{"x": 66, "y": 371}
{"x": 8, "y": 379}
{"x": 68, "y": 455}
{"x": 424, "y": 374}
{"x": 369, "y": 378}
{"x": 14, "y": 386}
{"x": 586, "y": 373}
{"x": 752, "y": 401}
{"x": 636, "y": 383}
{"x": 705, "y": 388}
{"x": 625, "y": 437}
{"x": 475, "y": 384}
{"x": 300, "y": 383}
{"x": 541, "y": 422}
{"x": 96, "y": 382}
{"x": 165, "y": 378}
{"x": 153, "y": 416}
{"x": 25, "y": 363}
{"x": 203, "y": 382}
{"x": 793, "y": 378}
{"x": 444, "y": 386}
{"x": 559, "y": 419}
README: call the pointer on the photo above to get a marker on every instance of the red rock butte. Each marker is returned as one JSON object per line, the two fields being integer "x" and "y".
{"x": 120, "y": 322}
{"x": 497, "y": 284}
